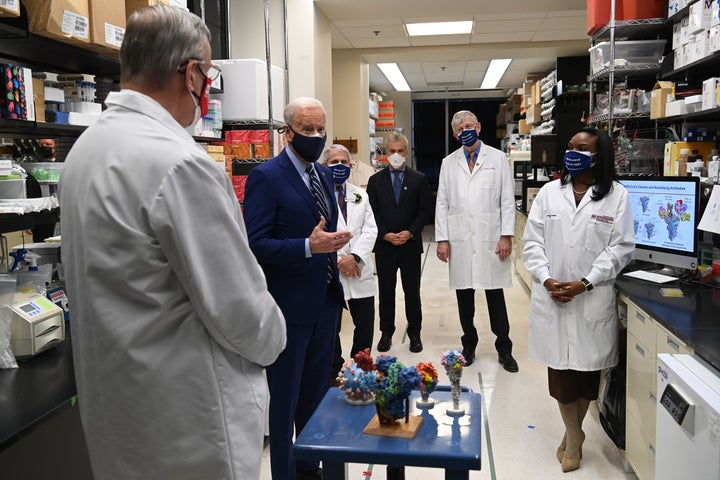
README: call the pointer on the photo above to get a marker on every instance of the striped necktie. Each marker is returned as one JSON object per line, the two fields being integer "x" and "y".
{"x": 322, "y": 207}
{"x": 471, "y": 161}
{"x": 317, "y": 193}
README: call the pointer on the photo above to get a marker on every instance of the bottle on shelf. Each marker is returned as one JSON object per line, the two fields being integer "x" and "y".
{"x": 714, "y": 168}
{"x": 682, "y": 162}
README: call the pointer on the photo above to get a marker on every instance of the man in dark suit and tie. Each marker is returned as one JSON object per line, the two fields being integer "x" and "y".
{"x": 291, "y": 218}
{"x": 401, "y": 201}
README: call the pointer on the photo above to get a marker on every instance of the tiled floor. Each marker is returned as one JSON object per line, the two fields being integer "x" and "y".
{"x": 523, "y": 420}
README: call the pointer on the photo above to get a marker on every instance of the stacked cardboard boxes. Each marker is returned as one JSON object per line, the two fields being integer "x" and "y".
{"x": 386, "y": 114}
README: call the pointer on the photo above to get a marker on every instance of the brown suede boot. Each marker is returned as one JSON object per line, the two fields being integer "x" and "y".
{"x": 574, "y": 436}
{"x": 583, "y": 405}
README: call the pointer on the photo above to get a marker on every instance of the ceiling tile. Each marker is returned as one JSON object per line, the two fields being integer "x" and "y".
{"x": 368, "y": 31}
{"x": 443, "y": 67}
{"x": 518, "y": 36}
{"x": 554, "y": 35}
{"x": 507, "y": 25}
{"x": 380, "y": 42}
{"x": 476, "y": 65}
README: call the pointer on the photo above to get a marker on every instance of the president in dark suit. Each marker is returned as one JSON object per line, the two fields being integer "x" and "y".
{"x": 291, "y": 218}
{"x": 401, "y": 201}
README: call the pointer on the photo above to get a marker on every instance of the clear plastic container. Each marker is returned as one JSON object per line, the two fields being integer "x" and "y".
{"x": 44, "y": 171}
{"x": 626, "y": 53}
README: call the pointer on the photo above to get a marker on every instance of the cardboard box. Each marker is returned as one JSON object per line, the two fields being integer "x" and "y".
{"x": 10, "y": 8}
{"x": 67, "y": 21}
{"x": 675, "y": 108}
{"x": 523, "y": 127}
{"x": 709, "y": 93}
{"x": 132, "y": 5}
{"x": 536, "y": 93}
{"x": 39, "y": 96}
{"x": 672, "y": 153}
{"x": 661, "y": 93}
{"x": 532, "y": 115}
{"x": 699, "y": 15}
{"x": 107, "y": 24}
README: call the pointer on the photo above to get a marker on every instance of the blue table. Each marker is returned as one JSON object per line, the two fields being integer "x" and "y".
{"x": 334, "y": 435}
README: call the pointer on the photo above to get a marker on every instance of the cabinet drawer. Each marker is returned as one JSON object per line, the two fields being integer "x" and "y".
{"x": 640, "y": 325}
{"x": 642, "y": 404}
{"x": 639, "y": 451}
{"x": 641, "y": 361}
{"x": 669, "y": 343}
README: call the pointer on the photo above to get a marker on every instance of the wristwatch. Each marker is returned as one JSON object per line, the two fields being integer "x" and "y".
{"x": 587, "y": 284}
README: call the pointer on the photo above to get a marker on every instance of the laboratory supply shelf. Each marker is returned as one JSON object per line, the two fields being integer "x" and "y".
{"x": 709, "y": 63}
{"x": 31, "y": 129}
{"x": 712, "y": 114}
{"x": 635, "y": 70}
{"x": 630, "y": 29}
{"x": 617, "y": 116}
{"x": 251, "y": 124}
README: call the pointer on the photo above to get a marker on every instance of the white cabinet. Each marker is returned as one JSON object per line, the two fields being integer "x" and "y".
{"x": 646, "y": 338}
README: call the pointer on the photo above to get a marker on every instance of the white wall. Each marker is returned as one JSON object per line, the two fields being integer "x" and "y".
{"x": 350, "y": 79}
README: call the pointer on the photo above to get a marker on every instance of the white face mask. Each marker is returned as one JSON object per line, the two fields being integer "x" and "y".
{"x": 396, "y": 160}
{"x": 198, "y": 111}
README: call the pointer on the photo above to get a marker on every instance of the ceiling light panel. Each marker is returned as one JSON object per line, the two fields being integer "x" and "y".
{"x": 495, "y": 71}
{"x": 395, "y": 76}
{"x": 439, "y": 28}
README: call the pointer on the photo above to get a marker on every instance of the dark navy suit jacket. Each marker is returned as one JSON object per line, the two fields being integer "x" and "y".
{"x": 280, "y": 213}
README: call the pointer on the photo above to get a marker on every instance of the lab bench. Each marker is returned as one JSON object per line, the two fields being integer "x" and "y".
{"x": 40, "y": 431}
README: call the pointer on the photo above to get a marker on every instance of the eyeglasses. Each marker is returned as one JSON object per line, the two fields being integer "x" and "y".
{"x": 213, "y": 72}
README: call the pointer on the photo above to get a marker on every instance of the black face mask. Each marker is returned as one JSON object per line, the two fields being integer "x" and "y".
{"x": 309, "y": 148}
{"x": 45, "y": 152}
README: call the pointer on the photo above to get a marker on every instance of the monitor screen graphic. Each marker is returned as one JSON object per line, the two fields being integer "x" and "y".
{"x": 665, "y": 217}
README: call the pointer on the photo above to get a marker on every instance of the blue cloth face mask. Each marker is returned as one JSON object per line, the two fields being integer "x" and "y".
{"x": 578, "y": 162}
{"x": 308, "y": 148}
{"x": 340, "y": 173}
{"x": 468, "y": 137}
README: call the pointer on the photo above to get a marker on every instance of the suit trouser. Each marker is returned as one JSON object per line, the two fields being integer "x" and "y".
{"x": 362, "y": 311}
{"x": 497, "y": 311}
{"x": 387, "y": 266}
{"x": 296, "y": 389}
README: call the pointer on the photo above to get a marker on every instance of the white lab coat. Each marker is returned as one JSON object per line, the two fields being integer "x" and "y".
{"x": 170, "y": 313}
{"x": 594, "y": 240}
{"x": 472, "y": 212}
{"x": 361, "y": 223}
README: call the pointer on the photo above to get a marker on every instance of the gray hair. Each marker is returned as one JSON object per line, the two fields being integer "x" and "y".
{"x": 334, "y": 147}
{"x": 460, "y": 117}
{"x": 398, "y": 137}
{"x": 298, "y": 103}
{"x": 158, "y": 40}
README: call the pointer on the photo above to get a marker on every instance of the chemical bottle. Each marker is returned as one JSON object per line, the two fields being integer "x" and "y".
{"x": 682, "y": 162}
{"x": 714, "y": 169}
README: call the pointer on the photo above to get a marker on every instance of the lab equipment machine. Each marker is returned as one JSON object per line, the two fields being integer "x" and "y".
{"x": 37, "y": 325}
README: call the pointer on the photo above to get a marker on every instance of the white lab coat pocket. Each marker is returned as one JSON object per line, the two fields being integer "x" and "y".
{"x": 597, "y": 235}
{"x": 487, "y": 178}
{"x": 488, "y": 227}
{"x": 458, "y": 230}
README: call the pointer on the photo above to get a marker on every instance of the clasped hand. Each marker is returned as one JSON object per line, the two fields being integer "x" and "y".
{"x": 327, "y": 242}
{"x": 348, "y": 266}
{"x": 563, "y": 292}
{"x": 397, "y": 238}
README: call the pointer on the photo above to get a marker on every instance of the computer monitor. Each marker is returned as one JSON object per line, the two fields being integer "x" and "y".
{"x": 666, "y": 213}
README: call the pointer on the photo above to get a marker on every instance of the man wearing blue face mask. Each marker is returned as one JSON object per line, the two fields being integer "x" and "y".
{"x": 291, "y": 218}
{"x": 474, "y": 226}
{"x": 357, "y": 273}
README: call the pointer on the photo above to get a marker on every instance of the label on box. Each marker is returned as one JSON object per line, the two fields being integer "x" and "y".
{"x": 75, "y": 25}
{"x": 10, "y": 4}
{"x": 114, "y": 35}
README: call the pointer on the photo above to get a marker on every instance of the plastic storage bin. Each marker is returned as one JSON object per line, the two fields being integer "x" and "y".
{"x": 637, "y": 9}
{"x": 632, "y": 52}
{"x": 12, "y": 186}
{"x": 245, "y": 90}
{"x": 44, "y": 171}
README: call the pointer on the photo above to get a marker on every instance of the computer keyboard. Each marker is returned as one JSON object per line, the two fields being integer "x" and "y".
{"x": 650, "y": 276}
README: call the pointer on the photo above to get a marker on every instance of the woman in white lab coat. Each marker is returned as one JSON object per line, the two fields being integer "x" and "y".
{"x": 579, "y": 236}
{"x": 355, "y": 263}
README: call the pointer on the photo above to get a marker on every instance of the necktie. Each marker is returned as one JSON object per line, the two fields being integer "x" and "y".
{"x": 322, "y": 207}
{"x": 471, "y": 161}
{"x": 341, "y": 201}
{"x": 316, "y": 190}
{"x": 397, "y": 185}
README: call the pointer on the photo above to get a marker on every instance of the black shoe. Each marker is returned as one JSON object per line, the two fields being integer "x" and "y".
{"x": 469, "y": 357}
{"x": 415, "y": 345}
{"x": 305, "y": 475}
{"x": 384, "y": 343}
{"x": 508, "y": 362}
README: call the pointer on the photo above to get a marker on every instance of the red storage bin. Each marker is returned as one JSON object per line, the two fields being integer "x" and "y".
{"x": 635, "y": 9}
{"x": 598, "y": 13}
